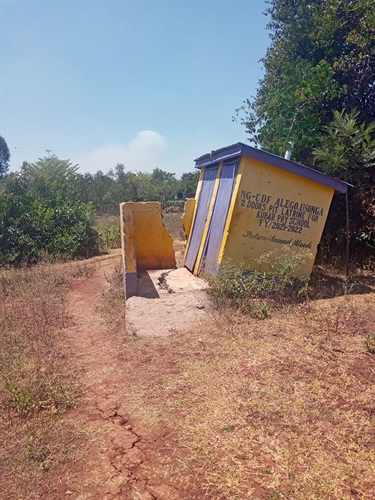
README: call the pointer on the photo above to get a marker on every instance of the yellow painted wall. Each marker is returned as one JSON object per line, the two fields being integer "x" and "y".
{"x": 187, "y": 216}
{"x": 274, "y": 210}
{"x": 154, "y": 246}
{"x": 129, "y": 263}
{"x": 145, "y": 241}
{"x": 127, "y": 233}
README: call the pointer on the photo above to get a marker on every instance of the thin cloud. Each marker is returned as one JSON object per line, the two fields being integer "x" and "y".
{"x": 143, "y": 153}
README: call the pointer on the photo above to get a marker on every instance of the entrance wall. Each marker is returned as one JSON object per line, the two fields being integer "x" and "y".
{"x": 146, "y": 243}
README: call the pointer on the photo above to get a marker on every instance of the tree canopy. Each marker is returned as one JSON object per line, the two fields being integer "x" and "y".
{"x": 106, "y": 191}
{"x": 40, "y": 213}
{"x": 321, "y": 59}
{"x": 4, "y": 157}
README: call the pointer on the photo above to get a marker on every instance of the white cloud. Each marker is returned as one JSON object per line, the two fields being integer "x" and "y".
{"x": 143, "y": 153}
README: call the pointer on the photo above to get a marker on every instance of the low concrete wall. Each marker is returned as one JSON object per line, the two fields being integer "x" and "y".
{"x": 145, "y": 241}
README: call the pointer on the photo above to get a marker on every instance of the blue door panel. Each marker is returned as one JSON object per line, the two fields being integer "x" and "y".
{"x": 201, "y": 216}
{"x": 219, "y": 217}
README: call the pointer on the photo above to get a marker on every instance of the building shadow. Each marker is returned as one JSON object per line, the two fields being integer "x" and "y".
{"x": 145, "y": 286}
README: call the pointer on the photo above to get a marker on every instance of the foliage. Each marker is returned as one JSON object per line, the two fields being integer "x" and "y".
{"x": 33, "y": 312}
{"x": 40, "y": 212}
{"x": 172, "y": 223}
{"x": 188, "y": 183}
{"x": 4, "y": 157}
{"x": 37, "y": 385}
{"x": 321, "y": 59}
{"x": 108, "y": 228}
{"x": 347, "y": 146}
{"x": 348, "y": 149}
{"x": 106, "y": 191}
{"x": 250, "y": 291}
{"x": 293, "y": 115}
{"x": 370, "y": 343}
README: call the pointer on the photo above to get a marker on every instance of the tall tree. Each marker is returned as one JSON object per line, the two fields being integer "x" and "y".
{"x": 321, "y": 59}
{"x": 189, "y": 182}
{"x": 4, "y": 157}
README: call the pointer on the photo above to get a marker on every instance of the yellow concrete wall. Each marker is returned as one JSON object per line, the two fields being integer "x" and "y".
{"x": 187, "y": 216}
{"x": 154, "y": 246}
{"x": 129, "y": 263}
{"x": 145, "y": 241}
{"x": 274, "y": 210}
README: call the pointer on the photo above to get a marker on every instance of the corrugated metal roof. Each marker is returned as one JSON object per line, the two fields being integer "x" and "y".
{"x": 241, "y": 149}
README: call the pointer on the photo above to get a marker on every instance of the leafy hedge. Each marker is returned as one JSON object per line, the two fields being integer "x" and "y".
{"x": 40, "y": 213}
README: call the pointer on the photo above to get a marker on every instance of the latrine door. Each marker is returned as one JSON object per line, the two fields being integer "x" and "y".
{"x": 201, "y": 216}
{"x": 219, "y": 217}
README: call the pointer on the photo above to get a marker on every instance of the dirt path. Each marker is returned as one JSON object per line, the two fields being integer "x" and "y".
{"x": 119, "y": 459}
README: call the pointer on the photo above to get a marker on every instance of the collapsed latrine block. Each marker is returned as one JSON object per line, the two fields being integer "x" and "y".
{"x": 145, "y": 242}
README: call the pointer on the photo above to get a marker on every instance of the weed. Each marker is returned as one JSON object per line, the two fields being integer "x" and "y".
{"x": 370, "y": 343}
{"x": 260, "y": 312}
{"x": 272, "y": 495}
{"x": 82, "y": 270}
{"x": 276, "y": 283}
{"x": 229, "y": 428}
{"x": 172, "y": 223}
{"x": 275, "y": 409}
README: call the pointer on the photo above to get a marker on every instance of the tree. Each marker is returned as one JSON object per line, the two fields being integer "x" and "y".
{"x": 321, "y": 59}
{"x": 4, "y": 157}
{"x": 189, "y": 182}
{"x": 348, "y": 149}
{"x": 40, "y": 212}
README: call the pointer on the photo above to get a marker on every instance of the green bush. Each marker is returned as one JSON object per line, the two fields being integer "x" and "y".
{"x": 108, "y": 227}
{"x": 251, "y": 291}
{"x": 40, "y": 213}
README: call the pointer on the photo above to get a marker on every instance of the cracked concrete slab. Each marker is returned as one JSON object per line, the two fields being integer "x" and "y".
{"x": 166, "y": 301}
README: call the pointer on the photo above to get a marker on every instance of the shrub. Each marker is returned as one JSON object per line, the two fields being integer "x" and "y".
{"x": 250, "y": 291}
{"x": 108, "y": 228}
{"x": 40, "y": 213}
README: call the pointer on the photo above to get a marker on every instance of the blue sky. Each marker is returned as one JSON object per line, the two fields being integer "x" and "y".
{"x": 144, "y": 83}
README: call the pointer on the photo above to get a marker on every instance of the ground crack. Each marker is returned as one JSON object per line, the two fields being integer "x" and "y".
{"x": 163, "y": 282}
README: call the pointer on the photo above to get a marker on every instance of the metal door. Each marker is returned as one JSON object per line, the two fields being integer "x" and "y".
{"x": 219, "y": 217}
{"x": 201, "y": 217}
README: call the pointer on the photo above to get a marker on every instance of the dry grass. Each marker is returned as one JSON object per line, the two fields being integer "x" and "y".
{"x": 172, "y": 223}
{"x": 113, "y": 302}
{"x": 36, "y": 385}
{"x": 274, "y": 409}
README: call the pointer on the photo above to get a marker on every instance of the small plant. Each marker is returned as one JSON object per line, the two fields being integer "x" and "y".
{"x": 259, "y": 312}
{"x": 370, "y": 343}
{"x": 36, "y": 383}
{"x": 229, "y": 428}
